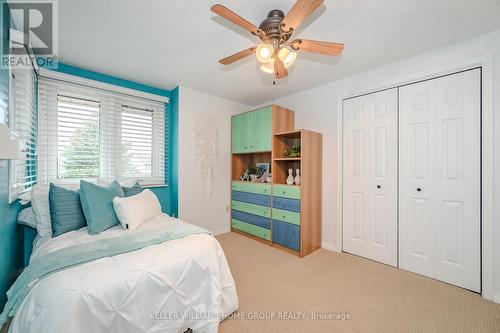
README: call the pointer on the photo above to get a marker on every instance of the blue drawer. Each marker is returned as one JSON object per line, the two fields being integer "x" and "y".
{"x": 256, "y": 199}
{"x": 250, "y": 218}
{"x": 286, "y": 234}
{"x": 286, "y": 204}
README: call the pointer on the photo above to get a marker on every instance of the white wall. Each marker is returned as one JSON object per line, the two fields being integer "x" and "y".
{"x": 316, "y": 109}
{"x": 210, "y": 212}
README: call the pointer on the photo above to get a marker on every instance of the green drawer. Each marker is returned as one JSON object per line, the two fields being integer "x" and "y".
{"x": 258, "y": 188}
{"x": 286, "y": 216}
{"x": 251, "y": 229}
{"x": 251, "y": 208}
{"x": 286, "y": 191}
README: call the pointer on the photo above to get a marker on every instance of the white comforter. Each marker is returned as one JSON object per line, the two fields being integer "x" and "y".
{"x": 169, "y": 287}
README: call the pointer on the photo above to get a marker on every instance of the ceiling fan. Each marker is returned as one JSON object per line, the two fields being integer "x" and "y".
{"x": 276, "y": 52}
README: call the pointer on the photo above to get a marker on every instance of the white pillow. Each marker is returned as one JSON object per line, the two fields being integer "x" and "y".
{"x": 41, "y": 209}
{"x": 27, "y": 217}
{"x": 135, "y": 210}
{"x": 40, "y": 204}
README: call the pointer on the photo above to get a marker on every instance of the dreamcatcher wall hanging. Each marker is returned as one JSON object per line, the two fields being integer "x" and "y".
{"x": 206, "y": 139}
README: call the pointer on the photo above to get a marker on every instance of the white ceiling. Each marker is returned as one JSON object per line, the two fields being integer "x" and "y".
{"x": 165, "y": 43}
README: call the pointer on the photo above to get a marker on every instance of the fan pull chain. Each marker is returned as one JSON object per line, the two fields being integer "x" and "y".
{"x": 275, "y": 95}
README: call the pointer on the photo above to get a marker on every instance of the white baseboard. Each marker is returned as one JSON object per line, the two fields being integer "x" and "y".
{"x": 330, "y": 246}
{"x": 221, "y": 231}
{"x": 496, "y": 297}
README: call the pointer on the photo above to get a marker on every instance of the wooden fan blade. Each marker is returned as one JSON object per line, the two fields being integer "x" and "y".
{"x": 238, "y": 56}
{"x": 235, "y": 18}
{"x": 279, "y": 69}
{"x": 325, "y": 48}
{"x": 299, "y": 12}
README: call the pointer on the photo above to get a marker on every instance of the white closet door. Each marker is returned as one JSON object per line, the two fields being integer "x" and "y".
{"x": 439, "y": 223}
{"x": 370, "y": 176}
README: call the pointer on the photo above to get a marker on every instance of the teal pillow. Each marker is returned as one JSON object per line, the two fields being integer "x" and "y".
{"x": 130, "y": 191}
{"x": 97, "y": 204}
{"x": 65, "y": 210}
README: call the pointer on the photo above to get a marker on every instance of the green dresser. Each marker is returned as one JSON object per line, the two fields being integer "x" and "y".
{"x": 284, "y": 216}
{"x": 252, "y": 131}
{"x": 251, "y": 229}
{"x": 286, "y": 191}
{"x": 251, "y": 208}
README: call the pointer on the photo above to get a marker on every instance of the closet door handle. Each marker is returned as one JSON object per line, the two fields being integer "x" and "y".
{"x": 379, "y": 186}
{"x": 419, "y": 189}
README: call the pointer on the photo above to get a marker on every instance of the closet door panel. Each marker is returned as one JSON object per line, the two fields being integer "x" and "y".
{"x": 370, "y": 177}
{"x": 439, "y": 223}
{"x": 458, "y": 179}
{"x": 417, "y": 108}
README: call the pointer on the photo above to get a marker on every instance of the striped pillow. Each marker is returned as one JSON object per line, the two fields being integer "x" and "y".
{"x": 66, "y": 212}
{"x": 130, "y": 191}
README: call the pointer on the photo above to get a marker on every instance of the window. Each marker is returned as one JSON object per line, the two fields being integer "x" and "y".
{"x": 22, "y": 119}
{"x": 136, "y": 142}
{"x": 89, "y": 133}
{"x": 77, "y": 138}
{"x": 142, "y": 141}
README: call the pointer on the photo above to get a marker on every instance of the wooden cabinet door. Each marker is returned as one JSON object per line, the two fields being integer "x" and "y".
{"x": 260, "y": 130}
{"x": 235, "y": 142}
{"x": 251, "y": 131}
{"x": 239, "y": 139}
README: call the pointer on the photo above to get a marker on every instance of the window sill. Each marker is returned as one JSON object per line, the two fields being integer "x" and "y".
{"x": 154, "y": 185}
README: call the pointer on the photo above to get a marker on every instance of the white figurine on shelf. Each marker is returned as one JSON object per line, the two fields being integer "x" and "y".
{"x": 290, "y": 179}
{"x": 246, "y": 176}
{"x": 269, "y": 178}
{"x": 297, "y": 177}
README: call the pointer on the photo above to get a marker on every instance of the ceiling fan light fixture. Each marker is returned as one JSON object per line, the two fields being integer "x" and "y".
{"x": 268, "y": 67}
{"x": 277, "y": 48}
{"x": 287, "y": 57}
{"x": 264, "y": 53}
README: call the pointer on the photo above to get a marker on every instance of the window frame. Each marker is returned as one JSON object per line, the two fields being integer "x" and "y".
{"x": 111, "y": 98}
{"x": 17, "y": 37}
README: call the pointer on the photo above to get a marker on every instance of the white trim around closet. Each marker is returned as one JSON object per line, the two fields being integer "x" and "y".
{"x": 487, "y": 207}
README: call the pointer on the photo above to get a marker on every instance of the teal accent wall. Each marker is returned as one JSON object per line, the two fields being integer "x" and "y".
{"x": 76, "y": 71}
{"x": 174, "y": 151}
{"x": 11, "y": 240}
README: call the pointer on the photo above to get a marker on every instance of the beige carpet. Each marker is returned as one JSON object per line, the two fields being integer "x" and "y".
{"x": 378, "y": 298}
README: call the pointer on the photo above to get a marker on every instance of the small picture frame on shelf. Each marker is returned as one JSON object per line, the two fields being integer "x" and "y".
{"x": 262, "y": 167}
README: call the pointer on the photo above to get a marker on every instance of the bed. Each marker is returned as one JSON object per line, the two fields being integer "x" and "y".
{"x": 172, "y": 286}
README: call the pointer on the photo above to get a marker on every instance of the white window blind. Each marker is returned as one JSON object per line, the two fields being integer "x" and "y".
{"x": 142, "y": 137}
{"x": 92, "y": 133}
{"x": 136, "y": 141}
{"x": 77, "y": 138}
{"x": 22, "y": 121}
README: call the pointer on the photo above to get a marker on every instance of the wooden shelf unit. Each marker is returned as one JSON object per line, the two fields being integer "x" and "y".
{"x": 295, "y": 211}
{"x": 242, "y": 162}
{"x": 310, "y": 165}
{"x": 284, "y": 159}
{"x": 283, "y": 141}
